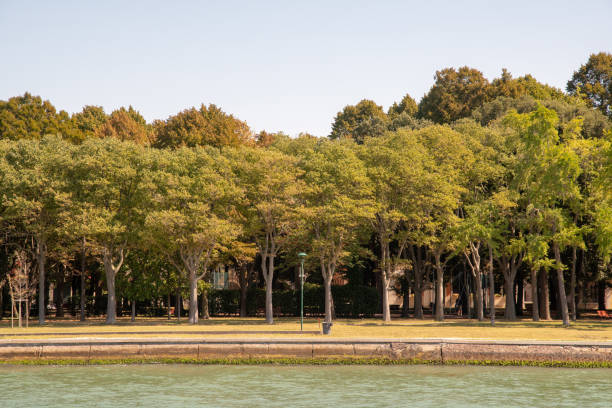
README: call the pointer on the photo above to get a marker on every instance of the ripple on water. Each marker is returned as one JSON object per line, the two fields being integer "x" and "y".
{"x": 172, "y": 386}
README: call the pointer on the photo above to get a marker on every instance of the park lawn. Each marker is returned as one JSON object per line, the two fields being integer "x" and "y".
{"x": 583, "y": 330}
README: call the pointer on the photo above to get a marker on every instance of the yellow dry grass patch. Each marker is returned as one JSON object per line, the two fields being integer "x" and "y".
{"x": 583, "y": 330}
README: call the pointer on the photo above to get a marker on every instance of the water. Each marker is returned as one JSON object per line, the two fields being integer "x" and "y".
{"x": 172, "y": 386}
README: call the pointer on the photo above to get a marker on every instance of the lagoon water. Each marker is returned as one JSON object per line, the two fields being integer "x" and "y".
{"x": 172, "y": 386}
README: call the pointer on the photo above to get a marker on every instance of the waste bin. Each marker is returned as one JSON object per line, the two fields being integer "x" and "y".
{"x": 327, "y": 327}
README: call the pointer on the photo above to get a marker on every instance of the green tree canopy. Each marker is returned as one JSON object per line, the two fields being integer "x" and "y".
{"x": 593, "y": 82}
{"x": 407, "y": 105}
{"x": 125, "y": 124}
{"x": 208, "y": 125}
{"x": 192, "y": 217}
{"x": 29, "y": 117}
{"x": 337, "y": 201}
{"x": 89, "y": 120}
{"x": 454, "y": 95}
{"x": 511, "y": 87}
{"x": 359, "y": 121}
{"x": 111, "y": 184}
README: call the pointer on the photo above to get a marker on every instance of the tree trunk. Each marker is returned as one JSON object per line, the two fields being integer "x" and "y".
{"x": 572, "y": 301}
{"x": 178, "y": 304}
{"x": 267, "y": 264}
{"x": 328, "y": 298}
{"x": 205, "y": 310}
{"x": 59, "y": 295}
{"x": 479, "y": 297}
{"x": 82, "y": 296}
{"x": 386, "y": 309}
{"x": 510, "y": 312}
{"x": 193, "y": 297}
{"x": 417, "y": 258}
{"x": 520, "y": 290}
{"x": 243, "y": 277}
{"x": 491, "y": 288}
{"x": 384, "y": 277}
{"x": 133, "y": 317}
{"x": 40, "y": 260}
{"x": 439, "y": 315}
{"x": 544, "y": 298}
{"x": 406, "y": 300}
{"x": 111, "y": 272}
{"x": 535, "y": 313}
{"x": 561, "y": 282}
{"x": 510, "y": 268}
{"x": 269, "y": 308}
{"x": 111, "y": 301}
{"x": 601, "y": 295}
{"x": 418, "y": 294}
{"x": 169, "y": 316}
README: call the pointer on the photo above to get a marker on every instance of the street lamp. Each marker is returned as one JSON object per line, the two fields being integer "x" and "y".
{"x": 302, "y": 255}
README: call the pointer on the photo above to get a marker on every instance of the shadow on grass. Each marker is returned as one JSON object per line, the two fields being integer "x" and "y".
{"x": 585, "y": 325}
{"x": 150, "y": 322}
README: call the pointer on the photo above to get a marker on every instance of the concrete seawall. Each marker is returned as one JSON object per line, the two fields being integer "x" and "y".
{"x": 435, "y": 350}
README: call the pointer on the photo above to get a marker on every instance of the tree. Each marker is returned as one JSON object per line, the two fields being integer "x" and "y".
{"x": 359, "y": 121}
{"x": 125, "y": 125}
{"x": 337, "y": 201}
{"x": 193, "y": 215}
{"x": 506, "y": 86}
{"x": 593, "y": 82}
{"x": 29, "y": 117}
{"x": 22, "y": 283}
{"x": 594, "y": 123}
{"x": 483, "y": 197}
{"x": 396, "y": 168}
{"x": 450, "y": 169}
{"x": 208, "y": 125}
{"x": 270, "y": 181}
{"x": 454, "y": 95}
{"x": 36, "y": 198}
{"x": 547, "y": 173}
{"x": 114, "y": 182}
{"x": 241, "y": 254}
{"x": 89, "y": 120}
{"x": 145, "y": 270}
{"x": 407, "y": 105}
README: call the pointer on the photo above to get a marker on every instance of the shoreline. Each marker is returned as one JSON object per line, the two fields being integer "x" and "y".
{"x": 308, "y": 362}
{"x": 313, "y": 351}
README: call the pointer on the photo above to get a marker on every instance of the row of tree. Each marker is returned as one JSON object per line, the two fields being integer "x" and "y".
{"x": 514, "y": 179}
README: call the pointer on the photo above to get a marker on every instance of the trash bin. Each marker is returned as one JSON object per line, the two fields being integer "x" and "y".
{"x": 327, "y": 327}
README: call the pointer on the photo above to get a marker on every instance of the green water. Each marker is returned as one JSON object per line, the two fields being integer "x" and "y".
{"x": 172, "y": 386}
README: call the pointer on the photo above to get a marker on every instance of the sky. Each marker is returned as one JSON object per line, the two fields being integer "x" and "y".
{"x": 281, "y": 65}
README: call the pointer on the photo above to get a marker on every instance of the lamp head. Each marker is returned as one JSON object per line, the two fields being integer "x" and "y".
{"x": 302, "y": 255}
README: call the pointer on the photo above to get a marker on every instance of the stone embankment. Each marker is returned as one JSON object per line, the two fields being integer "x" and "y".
{"x": 431, "y": 350}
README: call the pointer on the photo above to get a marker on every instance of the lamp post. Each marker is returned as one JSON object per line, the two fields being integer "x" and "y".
{"x": 302, "y": 255}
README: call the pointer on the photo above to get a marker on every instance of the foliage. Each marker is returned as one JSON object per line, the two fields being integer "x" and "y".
{"x": 125, "y": 124}
{"x": 454, "y": 95}
{"x": 359, "y": 121}
{"x": 208, "y": 125}
{"x": 593, "y": 82}
{"x": 29, "y": 117}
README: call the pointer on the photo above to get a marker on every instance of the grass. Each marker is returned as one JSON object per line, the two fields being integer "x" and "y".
{"x": 583, "y": 330}
{"x": 311, "y": 361}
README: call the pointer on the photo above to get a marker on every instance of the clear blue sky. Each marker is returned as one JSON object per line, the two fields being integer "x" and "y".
{"x": 281, "y": 65}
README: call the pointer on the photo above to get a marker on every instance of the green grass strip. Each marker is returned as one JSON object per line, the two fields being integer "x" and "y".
{"x": 310, "y": 361}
